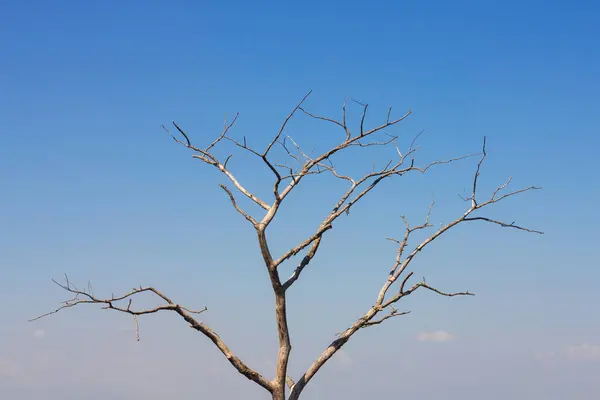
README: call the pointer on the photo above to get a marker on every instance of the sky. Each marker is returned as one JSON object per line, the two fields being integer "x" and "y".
{"x": 93, "y": 187}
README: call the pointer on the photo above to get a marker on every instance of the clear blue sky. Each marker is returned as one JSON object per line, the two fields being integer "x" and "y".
{"x": 92, "y": 187}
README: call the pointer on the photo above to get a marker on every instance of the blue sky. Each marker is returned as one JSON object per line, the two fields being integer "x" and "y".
{"x": 92, "y": 187}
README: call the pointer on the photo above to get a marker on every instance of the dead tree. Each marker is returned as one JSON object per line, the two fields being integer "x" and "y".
{"x": 285, "y": 178}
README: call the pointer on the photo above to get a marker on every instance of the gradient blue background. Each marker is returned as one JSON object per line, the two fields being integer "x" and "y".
{"x": 92, "y": 187}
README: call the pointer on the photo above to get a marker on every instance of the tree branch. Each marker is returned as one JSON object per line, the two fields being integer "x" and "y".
{"x": 400, "y": 265}
{"x": 344, "y": 205}
{"x": 392, "y": 313}
{"x": 503, "y": 224}
{"x": 208, "y": 158}
{"x": 350, "y": 140}
{"x": 235, "y": 205}
{"x": 85, "y": 297}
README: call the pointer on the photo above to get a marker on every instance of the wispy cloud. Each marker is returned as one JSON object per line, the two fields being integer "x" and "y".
{"x": 437, "y": 336}
{"x": 584, "y": 351}
{"x": 39, "y": 334}
{"x": 578, "y": 352}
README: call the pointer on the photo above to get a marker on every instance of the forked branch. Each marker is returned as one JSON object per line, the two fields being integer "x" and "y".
{"x": 207, "y": 157}
{"x": 400, "y": 265}
{"x": 352, "y": 196}
{"x": 112, "y": 303}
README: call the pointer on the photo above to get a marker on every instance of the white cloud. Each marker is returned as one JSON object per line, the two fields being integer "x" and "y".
{"x": 437, "y": 336}
{"x": 7, "y": 368}
{"x": 39, "y": 334}
{"x": 583, "y": 352}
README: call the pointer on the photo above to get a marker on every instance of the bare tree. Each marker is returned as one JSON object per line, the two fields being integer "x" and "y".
{"x": 285, "y": 178}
